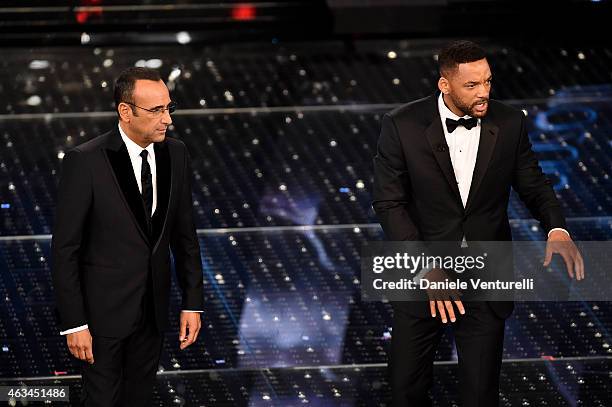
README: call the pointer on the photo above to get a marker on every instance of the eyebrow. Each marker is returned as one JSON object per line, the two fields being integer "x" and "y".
{"x": 474, "y": 82}
{"x": 158, "y": 106}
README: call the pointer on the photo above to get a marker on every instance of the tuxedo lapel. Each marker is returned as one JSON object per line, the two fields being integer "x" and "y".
{"x": 439, "y": 148}
{"x": 119, "y": 161}
{"x": 164, "y": 176}
{"x": 488, "y": 138}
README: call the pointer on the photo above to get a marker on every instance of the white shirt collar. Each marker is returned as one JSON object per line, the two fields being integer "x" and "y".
{"x": 446, "y": 113}
{"x": 134, "y": 149}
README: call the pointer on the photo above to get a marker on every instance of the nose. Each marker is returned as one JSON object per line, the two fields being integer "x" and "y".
{"x": 483, "y": 93}
{"x": 166, "y": 118}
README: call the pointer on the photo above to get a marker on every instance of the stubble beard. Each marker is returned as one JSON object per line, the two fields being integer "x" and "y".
{"x": 469, "y": 110}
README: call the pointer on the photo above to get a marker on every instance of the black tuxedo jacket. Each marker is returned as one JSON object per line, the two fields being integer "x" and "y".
{"x": 416, "y": 196}
{"x": 104, "y": 249}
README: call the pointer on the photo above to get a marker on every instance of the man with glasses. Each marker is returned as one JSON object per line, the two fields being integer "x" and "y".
{"x": 124, "y": 201}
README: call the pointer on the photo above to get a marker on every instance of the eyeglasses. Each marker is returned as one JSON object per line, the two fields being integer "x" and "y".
{"x": 157, "y": 111}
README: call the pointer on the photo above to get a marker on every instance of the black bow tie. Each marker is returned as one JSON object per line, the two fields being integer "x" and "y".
{"x": 451, "y": 124}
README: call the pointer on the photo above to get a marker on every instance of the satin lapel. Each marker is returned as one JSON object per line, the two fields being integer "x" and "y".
{"x": 488, "y": 138}
{"x": 121, "y": 166}
{"x": 164, "y": 174}
{"x": 435, "y": 136}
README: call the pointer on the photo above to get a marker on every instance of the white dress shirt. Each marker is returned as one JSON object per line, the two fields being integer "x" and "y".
{"x": 134, "y": 151}
{"x": 462, "y": 147}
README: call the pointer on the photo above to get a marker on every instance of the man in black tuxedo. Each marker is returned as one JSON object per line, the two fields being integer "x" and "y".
{"x": 124, "y": 201}
{"x": 443, "y": 172}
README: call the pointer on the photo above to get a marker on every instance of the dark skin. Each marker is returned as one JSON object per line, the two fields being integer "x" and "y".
{"x": 142, "y": 127}
{"x": 466, "y": 88}
{"x": 466, "y": 91}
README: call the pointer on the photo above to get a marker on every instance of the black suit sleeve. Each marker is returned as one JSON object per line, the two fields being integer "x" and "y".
{"x": 185, "y": 246}
{"x": 74, "y": 199}
{"x": 533, "y": 187}
{"x": 392, "y": 186}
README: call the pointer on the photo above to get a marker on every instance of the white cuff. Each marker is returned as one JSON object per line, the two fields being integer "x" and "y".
{"x": 188, "y": 310}
{"x": 73, "y": 330}
{"x": 561, "y": 229}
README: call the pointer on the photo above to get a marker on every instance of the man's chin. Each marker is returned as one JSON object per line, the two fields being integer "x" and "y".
{"x": 480, "y": 110}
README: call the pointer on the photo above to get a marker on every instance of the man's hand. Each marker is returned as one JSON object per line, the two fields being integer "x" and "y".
{"x": 190, "y": 328}
{"x": 80, "y": 345}
{"x": 443, "y": 299}
{"x": 560, "y": 242}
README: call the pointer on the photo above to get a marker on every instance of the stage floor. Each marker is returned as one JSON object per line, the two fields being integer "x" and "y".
{"x": 580, "y": 381}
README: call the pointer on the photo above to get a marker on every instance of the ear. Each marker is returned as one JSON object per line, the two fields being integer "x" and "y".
{"x": 125, "y": 112}
{"x": 444, "y": 85}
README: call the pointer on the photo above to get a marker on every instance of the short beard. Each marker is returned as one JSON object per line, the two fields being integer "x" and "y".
{"x": 465, "y": 109}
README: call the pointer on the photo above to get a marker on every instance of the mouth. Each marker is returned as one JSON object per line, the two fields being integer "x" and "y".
{"x": 481, "y": 106}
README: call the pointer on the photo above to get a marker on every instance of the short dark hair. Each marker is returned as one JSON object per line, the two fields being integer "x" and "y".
{"x": 125, "y": 83}
{"x": 458, "y": 52}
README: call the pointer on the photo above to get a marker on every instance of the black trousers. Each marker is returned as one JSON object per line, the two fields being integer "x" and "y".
{"x": 479, "y": 337}
{"x": 124, "y": 369}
